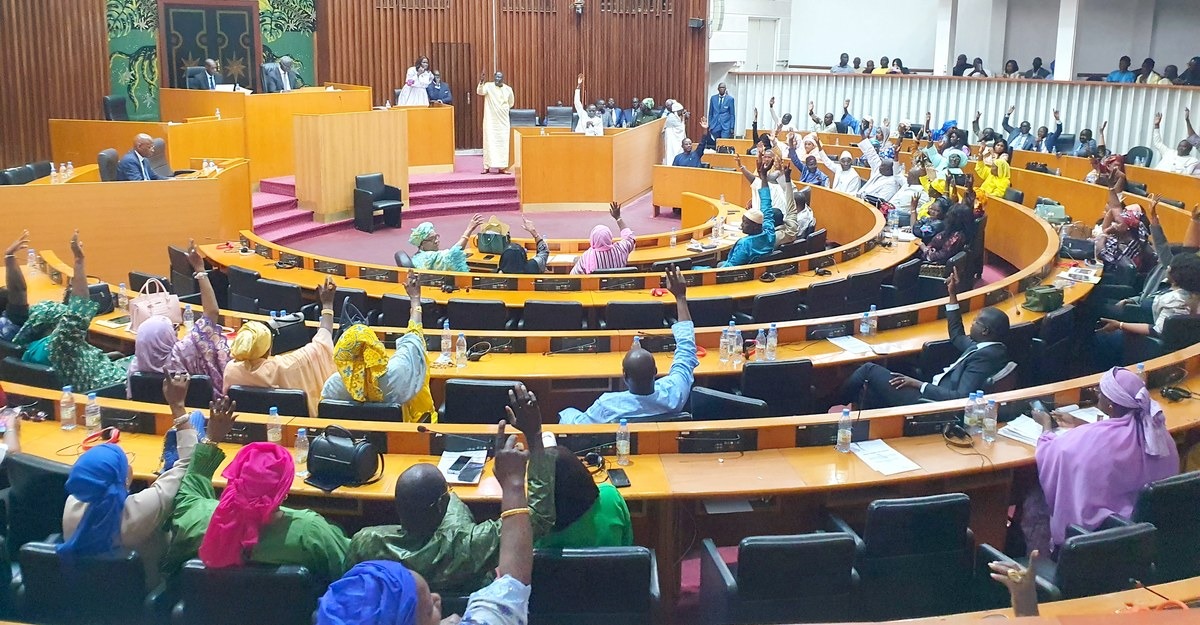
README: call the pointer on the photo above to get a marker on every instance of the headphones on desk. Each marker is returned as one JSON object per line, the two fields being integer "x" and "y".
{"x": 106, "y": 435}
{"x": 956, "y": 435}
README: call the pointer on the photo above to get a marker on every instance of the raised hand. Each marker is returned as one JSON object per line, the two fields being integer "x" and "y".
{"x": 579, "y": 80}
{"x": 476, "y": 221}
{"x": 76, "y": 246}
{"x": 737, "y": 158}
{"x": 675, "y": 282}
{"x": 193, "y": 256}
{"x": 326, "y": 292}
{"x": 978, "y": 114}
{"x": 1157, "y": 119}
{"x": 221, "y": 418}
{"x": 482, "y": 77}
{"x": 511, "y": 460}
{"x": 771, "y": 103}
{"x": 529, "y": 227}
{"x": 1187, "y": 114}
{"x": 16, "y": 246}
{"x": 524, "y": 413}
{"x": 1103, "y": 125}
{"x": 704, "y": 121}
{"x": 175, "y": 387}
{"x": 412, "y": 287}
{"x": 1056, "y": 117}
{"x": 952, "y": 283}
{"x": 811, "y": 107}
{"x": 1012, "y": 108}
{"x": 614, "y": 209}
{"x": 756, "y": 113}
{"x": 846, "y": 104}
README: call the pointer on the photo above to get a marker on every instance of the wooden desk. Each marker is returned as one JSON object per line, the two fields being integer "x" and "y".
{"x": 430, "y": 138}
{"x": 670, "y": 183}
{"x": 336, "y": 147}
{"x": 270, "y": 139}
{"x": 80, "y": 140}
{"x": 1172, "y": 186}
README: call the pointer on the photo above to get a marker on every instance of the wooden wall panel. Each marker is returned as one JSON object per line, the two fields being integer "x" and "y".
{"x": 540, "y": 51}
{"x": 54, "y": 60}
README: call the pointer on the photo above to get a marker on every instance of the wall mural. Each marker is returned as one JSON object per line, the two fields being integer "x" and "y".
{"x": 287, "y": 30}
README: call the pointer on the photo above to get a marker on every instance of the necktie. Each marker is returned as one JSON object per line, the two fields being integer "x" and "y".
{"x": 145, "y": 172}
{"x": 212, "y": 82}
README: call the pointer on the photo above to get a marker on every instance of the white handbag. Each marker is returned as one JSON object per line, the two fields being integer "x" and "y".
{"x": 149, "y": 303}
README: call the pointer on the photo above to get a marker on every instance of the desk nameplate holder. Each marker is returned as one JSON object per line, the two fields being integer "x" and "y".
{"x": 832, "y": 329}
{"x": 820, "y": 262}
{"x": 898, "y": 320}
{"x": 264, "y": 250}
{"x": 580, "y": 344}
{"x": 378, "y": 275}
{"x": 485, "y": 283}
{"x": 329, "y": 267}
{"x": 825, "y": 434}
{"x": 851, "y": 253}
{"x": 557, "y": 284}
{"x": 737, "y": 275}
{"x": 717, "y": 441}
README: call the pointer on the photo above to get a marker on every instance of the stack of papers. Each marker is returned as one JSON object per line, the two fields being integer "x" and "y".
{"x": 1091, "y": 415}
{"x": 1081, "y": 274}
{"x": 462, "y": 467}
{"x": 1023, "y": 429}
{"x": 850, "y": 344}
{"x": 562, "y": 259}
{"x": 881, "y": 457}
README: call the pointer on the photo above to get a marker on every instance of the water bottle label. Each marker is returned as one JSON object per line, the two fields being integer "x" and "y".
{"x": 622, "y": 448}
{"x": 843, "y": 437}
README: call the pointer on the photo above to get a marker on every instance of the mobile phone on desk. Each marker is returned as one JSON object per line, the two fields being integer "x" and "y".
{"x": 618, "y": 478}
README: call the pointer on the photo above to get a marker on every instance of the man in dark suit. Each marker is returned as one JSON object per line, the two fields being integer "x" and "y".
{"x": 631, "y": 113}
{"x": 280, "y": 77}
{"x": 207, "y": 80}
{"x": 439, "y": 92}
{"x": 614, "y": 117}
{"x": 982, "y": 355}
{"x": 721, "y": 114}
{"x": 135, "y": 165}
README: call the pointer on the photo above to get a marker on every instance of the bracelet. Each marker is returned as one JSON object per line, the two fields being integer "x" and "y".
{"x": 513, "y": 512}
{"x": 417, "y": 309}
{"x": 1121, "y": 326}
{"x": 200, "y": 274}
{"x": 326, "y": 311}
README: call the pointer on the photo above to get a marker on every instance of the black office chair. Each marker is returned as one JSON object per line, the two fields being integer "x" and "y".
{"x": 903, "y": 290}
{"x": 1019, "y": 344}
{"x": 710, "y": 312}
{"x": 773, "y": 307}
{"x": 559, "y": 117}
{"x": 786, "y": 386}
{"x": 1089, "y": 563}
{"x": 684, "y": 264}
{"x": 793, "y": 249}
{"x": 935, "y": 356}
{"x": 15, "y": 370}
{"x": 138, "y": 279}
{"x": 476, "y": 314}
{"x": 977, "y": 249}
{"x": 803, "y": 578}
{"x": 1002, "y": 381}
{"x": 1140, "y": 152}
{"x": 1169, "y": 505}
{"x": 542, "y": 316}
{"x": 1052, "y": 349}
{"x": 259, "y": 594}
{"x": 564, "y": 588}
{"x": 355, "y": 411}
{"x": 825, "y": 299}
{"x": 17, "y": 175}
{"x": 37, "y": 493}
{"x": 356, "y": 297}
{"x": 1170, "y": 202}
{"x": 1065, "y": 143}
{"x": 710, "y": 405}
{"x": 241, "y": 303}
{"x": 371, "y": 195}
{"x": 291, "y": 402}
{"x": 115, "y": 108}
{"x": 863, "y": 290}
{"x": 107, "y": 161}
{"x": 403, "y": 260}
{"x": 395, "y": 310}
{"x": 475, "y": 401}
{"x": 273, "y": 295}
{"x": 148, "y": 387}
{"x": 107, "y": 588}
{"x": 634, "y": 316}
{"x": 1137, "y": 188}
{"x": 815, "y": 243}
{"x": 921, "y": 538}
{"x": 42, "y": 169}
{"x": 241, "y": 280}
{"x": 1178, "y": 332}
{"x": 1014, "y": 195}
{"x": 182, "y": 275}
{"x": 8, "y": 348}
{"x": 522, "y": 117}
{"x": 158, "y": 161}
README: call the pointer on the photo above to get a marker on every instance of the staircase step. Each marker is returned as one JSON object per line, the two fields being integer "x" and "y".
{"x": 297, "y": 232}
{"x": 268, "y": 203}
{"x": 283, "y": 185}
{"x": 416, "y": 198}
{"x": 281, "y": 217}
{"x": 460, "y": 207}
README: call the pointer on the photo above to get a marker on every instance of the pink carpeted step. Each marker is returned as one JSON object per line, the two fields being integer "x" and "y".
{"x": 283, "y": 185}
{"x": 421, "y": 198}
{"x": 270, "y": 203}
{"x": 275, "y": 220}
{"x": 297, "y": 232}
{"x": 452, "y": 186}
{"x": 426, "y": 210}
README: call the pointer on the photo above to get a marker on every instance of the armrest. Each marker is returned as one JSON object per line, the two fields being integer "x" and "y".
{"x": 1046, "y": 589}
{"x": 836, "y": 524}
{"x": 310, "y": 311}
{"x": 1114, "y": 521}
{"x": 717, "y": 584}
{"x": 161, "y": 601}
{"x": 655, "y": 591}
{"x": 390, "y": 193}
{"x": 1076, "y": 530}
{"x": 426, "y": 417}
{"x": 194, "y": 298}
{"x": 363, "y": 198}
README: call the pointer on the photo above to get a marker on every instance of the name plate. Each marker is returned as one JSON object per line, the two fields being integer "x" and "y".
{"x": 851, "y": 253}
{"x": 294, "y": 260}
{"x": 580, "y": 344}
{"x": 485, "y": 283}
{"x": 870, "y": 245}
{"x": 621, "y": 284}
{"x": 964, "y": 307}
{"x": 264, "y": 250}
{"x": 829, "y": 330}
{"x": 658, "y": 343}
{"x": 378, "y": 275}
{"x": 825, "y": 434}
{"x": 898, "y": 320}
{"x": 329, "y": 267}
{"x": 717, "y": 441}
{"x": 786, "y": 269}
{"x": 557, "y": 284}
{"x": 691, "y": 279}
{"x": 995, "y": 297}
{"x": 737, "y": 275}
{"x": 434, "y": 279}
{"x": 820, "y": 261}
{"x": 1029, "y": 282}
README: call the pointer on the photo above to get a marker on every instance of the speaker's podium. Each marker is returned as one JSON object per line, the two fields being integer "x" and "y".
{"x": 561, "y": 170}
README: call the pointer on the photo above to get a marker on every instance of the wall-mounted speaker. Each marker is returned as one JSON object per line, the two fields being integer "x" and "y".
{"x": 695, "y": 22}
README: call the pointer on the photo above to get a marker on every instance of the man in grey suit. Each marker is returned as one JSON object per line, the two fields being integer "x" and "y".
{"x": 208, "y": 79}
{"x": 280, "y": 77}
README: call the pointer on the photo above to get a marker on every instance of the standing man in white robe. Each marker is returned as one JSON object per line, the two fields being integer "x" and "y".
{"x": 673, "y": 133}
{"x": 497, "y": 132}
{"x": 590, "y": 123}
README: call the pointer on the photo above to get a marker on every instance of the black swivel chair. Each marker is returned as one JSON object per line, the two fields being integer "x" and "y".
{"x": 107, "y": 161}
{"x": 684, "y": 264}
{"x": 148, "y": 387}
{"x": 1140, "y": 152}
{"x": 780, "y": 579}
{"x": 559, "y": 116}
{"x": 921, "y": 538}
{"x": 108, "y": 588}
{"x": 355, "y": 411}
{"x": 564, "y": 588}
{"x": 1178, "y": 332}
{"x": 276, "y": 295}
{"x": 1171, "y": 506}
{"x": 291, "y": 402}
{"x": 1019, "y": 344}
{"x": 158, "y": 161}
{"x": 355, "y": 297}
{"x": 710, "y": 312}
{"x": 793, "y": 249}
{"x": 371, "y": 195}
{"x": 263, "y": 595}
{"x": 115, "y": 108}
{"x": 773, "y": 307}
{"x": 825, "y": 299}
{"x": 17, "y": 175}
{"x": 1137, "y": 188}
{"x": 634, "y": 316}
{"x": 1014, "y": 195}
{"x": 394, "y": 311}
{"x": 863, "y": 290}
{"x": 241, "y": 280}
{"x": 42, "y": 169}
{"x": 476, "y": 314}
{"x": 1051, "y": 353}
{"x": 904, "y": 288}
{"x": 786, "y": 386}
{"x": 138, "y": 279}
{"x": 242, "y": 303}
{"x": 815, "y": 243}
{"x": 15, "y": 370}
{"x": 543, "y": 316}
{"x": 475, "y": 401}
{"x": 710, "y": 405}
{"x": 522, "y": 117}
{"x": 182, "y": 275}
{"x": 1065, "y": 143}
{"x": 34, "y": 499}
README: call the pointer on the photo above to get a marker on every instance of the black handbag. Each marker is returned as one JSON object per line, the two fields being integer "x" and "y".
{"x": 336, "y": 458}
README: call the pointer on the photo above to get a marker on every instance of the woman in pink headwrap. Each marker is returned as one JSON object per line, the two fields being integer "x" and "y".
{"x": 1096, "y": 469}
{"x": 604, "y": 252}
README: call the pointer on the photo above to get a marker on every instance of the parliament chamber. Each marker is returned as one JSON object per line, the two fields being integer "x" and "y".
{"x": 775, "y": 494}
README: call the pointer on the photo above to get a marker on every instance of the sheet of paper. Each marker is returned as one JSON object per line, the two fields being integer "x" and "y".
{"x": 850, "y": 344}
{"x": 562, "y": 259}
{"x": 1023, "y": 429}
{"x": 452, "y": 464}
{"x": 1079, "y": 274}
{"x": 882, "y": 458}
{"x": 1091, "y": 415}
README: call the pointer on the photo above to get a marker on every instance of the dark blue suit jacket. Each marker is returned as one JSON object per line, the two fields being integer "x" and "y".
{"x": 615, "y": 118}
{"x": 721, "y": 116}
{"x": 441, "y": 92}
{"x": 130, "y": 168}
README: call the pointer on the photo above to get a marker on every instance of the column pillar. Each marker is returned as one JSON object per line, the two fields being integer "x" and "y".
{"x": 1064, "y": 51}
{"x": 943, "y": 48}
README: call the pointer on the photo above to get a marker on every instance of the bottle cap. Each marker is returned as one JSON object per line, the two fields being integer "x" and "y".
{"x": 274, "y": 410}
{"x": 68, "y": 389}
{"x": 91, "y": 396}
{"x": 624, "y": 422}
{"x": 845, "y": 412}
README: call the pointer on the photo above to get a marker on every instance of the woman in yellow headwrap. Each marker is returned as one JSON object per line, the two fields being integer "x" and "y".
{"x": 366, "y": 374}
{"x": 304, "y": 369}
{"x": 996, "y": 177}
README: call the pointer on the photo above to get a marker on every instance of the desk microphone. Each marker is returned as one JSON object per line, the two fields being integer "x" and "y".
{"x": 487, "y": 444}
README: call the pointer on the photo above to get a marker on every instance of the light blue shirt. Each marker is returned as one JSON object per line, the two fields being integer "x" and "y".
{"x": 403, "y": 379}
{"x": 670, "y": 394}
{"x": 1085, "y": 148}
{"x": 1119, "y": 76}
{"x": 750, "y": 249}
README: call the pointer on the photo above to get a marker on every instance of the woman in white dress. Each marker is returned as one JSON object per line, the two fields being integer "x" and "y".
{"x": 418, "y": 78}
{"x": 673, "y": 134}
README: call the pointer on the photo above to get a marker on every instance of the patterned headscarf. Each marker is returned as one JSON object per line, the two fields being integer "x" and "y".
{"x": 423, "y": 231}
{"x": 43, "y": 316}
{"x": 360, "y": 359}
{"x": 375, "y": 592}
{"x": 253, "y": 341}
{"x": 648, "y": 103}
{"x": 257, "y": 481}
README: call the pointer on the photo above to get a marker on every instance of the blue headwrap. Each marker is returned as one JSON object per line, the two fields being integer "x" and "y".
{"x": 98, "y": 479}
{"x": 941, "y": 132}
{"x": 375, "y": 592}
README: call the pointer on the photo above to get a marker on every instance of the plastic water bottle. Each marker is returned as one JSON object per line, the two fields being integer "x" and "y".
{"x": 760, "y": 346}
{"x": 725, "y": 346}
{"x": 1141, "y": 371}
{"x": 447, "y": 341}
{"x": 62, "y": 171}
{"x": 990, "y": 415}
{"x": 637, "y": 343}
{"x": 70, "y": 169}
{"x": 893, "y": 221}
{"x": 873, "y": 318}
{"x": 864, "y": 325}
{"x": 460, "y": 351}
{"x": 54, "y": 179}
{"x": 301, "y": 453}
{"x": 623, "y": 443}
{"x": 189, "y": 317}
{"x": 66, "y": 409}
{"x": 844, "y": 432}
{"x": 722, "y": 198}
{"x": 122, "y": 297}
{"x": 274, "y": 426}
{"x": 735, "y": 346}
{"x": 772, "y": 343}
{"x": 91, "y": 414}
{"x": 977, "y": 409}
{"x": 674, "y": 239}
{"x": 218, "y": 114}
{"x": 387, "y": 104}
{"x": 31, "y": 262}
